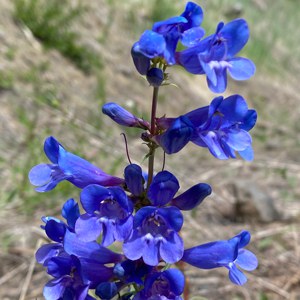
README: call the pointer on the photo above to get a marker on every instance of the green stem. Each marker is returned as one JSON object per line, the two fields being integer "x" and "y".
{"x": 152, "y": 132}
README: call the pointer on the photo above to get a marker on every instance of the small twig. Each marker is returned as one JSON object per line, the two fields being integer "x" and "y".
{"x": 12, "y": 273}
{"x": 29, "y": 273}
{"x": 271, "y": 286}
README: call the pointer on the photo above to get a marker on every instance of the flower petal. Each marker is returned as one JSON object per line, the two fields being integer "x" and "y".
{"x": 241, "y": 68}
{"x": 192, "y": 197}
{"x": 88, "y": 228}
{"x": 236, "y": 276}
{"x": 171, "y": 250}
{"x": 163, "y": 188}
{"x": 246, "y": 260}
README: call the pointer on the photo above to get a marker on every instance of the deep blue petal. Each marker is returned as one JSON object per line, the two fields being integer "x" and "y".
{"x": 175, "y": 279}
{"x": 249, "y": 120}
{"x": 234, "y": 108}
{"x": 151, "y": 44}
{"x": 194, "y": 15}
{"x": 177, "y": 135}
{"x": 106, "y": 290}
{"x": 141, "y": 62}
{"x": 192, "y": 197}
{"x": 134, "y": 179}
{"x": 173, "y": 216}
{"x": 236, "y": 35}
{"x": 163, "y": 188}
{"x": 212, "y": 255}
{"x": 59, "y": 266}
{"x": 70, "y": 212}
{"x": 142, "y": 214}
{"x": 51, "y": 148}
{"x": 92, "y": 195}
{"x": 120, "y": 196}
{"x": 164, "y": 27}
{"x": 155, "y": 77}
{"x": 83, "y": 172}
{"x": 55, "y": 230}
{"x": 244, "y": 237}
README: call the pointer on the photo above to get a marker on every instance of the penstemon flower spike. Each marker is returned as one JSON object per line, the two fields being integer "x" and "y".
{"x": 143, "y": 210}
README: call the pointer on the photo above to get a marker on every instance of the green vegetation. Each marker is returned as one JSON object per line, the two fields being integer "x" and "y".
{"x": 50, "y": 22}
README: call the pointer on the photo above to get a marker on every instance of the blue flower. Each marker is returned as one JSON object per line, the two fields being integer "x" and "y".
{"x": 56, "y": 230}
{"x": 132, "y": 271}
{"x": 222, "y": 127}
{"x": 176, "y": 136}
{"x": 134, "y": 179}
{"x": 162, "y": 40}
{"x": 155, "y": 235}
{"x": 67, "y": 166}
{"x": 229, "y": 254}
{"x": 109, "y": 211}
{"x": 166, "y": 285}
{"x": 164, "y": 187}
{"x": 123, "y": 117}
{"x": 215, "y": 54}
{"x": 68, "y": 282}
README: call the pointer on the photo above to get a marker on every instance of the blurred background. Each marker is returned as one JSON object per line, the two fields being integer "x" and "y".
{"x": 60, "y": 61}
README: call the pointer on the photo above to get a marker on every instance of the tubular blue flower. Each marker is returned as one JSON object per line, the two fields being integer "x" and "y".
{"x": 229, "y": 254}
{"x": 163, "y": 188}
{"x": 176, "y": 136}
{"x": 162, "y": 40}
{"x": 67, "y": 166}
{"x": 134, "y": 179}
{"x": 109, "y": 211}
{"x": 122, "y": 116}
{"x": 55, "y": 230}
{"x": 166, "y": 285}
{"x": 68, "y": 282}
{"x": 215, "y": 54}
{"x": 192, "y": 197}
{"x": 155, "y": 77}
{"x": 223, "y": 127}
{"x": 132, "y": 271}
{"x": 155, "y": 234}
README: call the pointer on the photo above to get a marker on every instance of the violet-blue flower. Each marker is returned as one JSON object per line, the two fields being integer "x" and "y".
{"x": 229, "y": 254}
{"x": 109, "y": 211}
{"x": 216, "y": 54}
{"x": 162, "y": 40}
{"x": 223, "y": 127}
{"x": 123, "y": 117}
{"x": 68, "y": 282}
{"x": 155, "y": 235}
{"x": 56, "y": 229}
{"x": 67, "y": 166}
{"x": 165, "y": 285}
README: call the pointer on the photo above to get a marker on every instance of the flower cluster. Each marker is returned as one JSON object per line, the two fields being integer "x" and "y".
{"x": 140, "y": 212}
